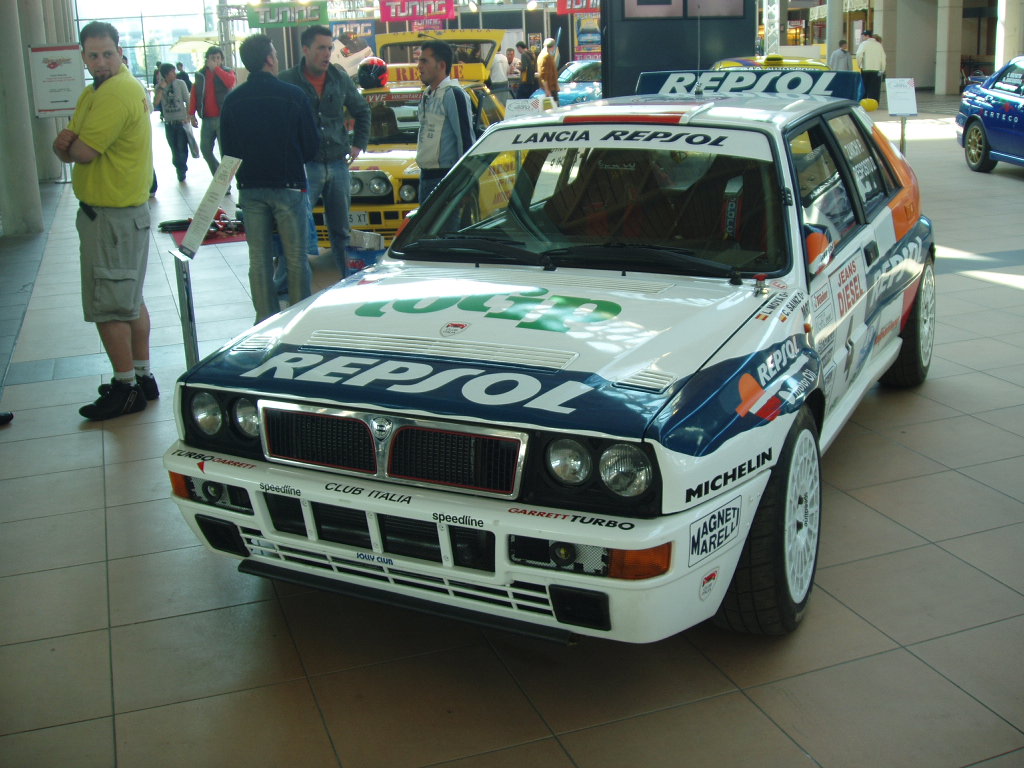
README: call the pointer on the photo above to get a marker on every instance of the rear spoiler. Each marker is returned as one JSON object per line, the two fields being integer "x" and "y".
{"x": 786, "y": 81}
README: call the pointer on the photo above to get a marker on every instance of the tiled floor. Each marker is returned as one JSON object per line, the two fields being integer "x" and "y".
{"x": 123, "y": 642}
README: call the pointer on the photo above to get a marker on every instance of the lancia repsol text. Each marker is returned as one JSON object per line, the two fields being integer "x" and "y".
{"x": 718, "y": 482}
{"x": 646, "y": 136}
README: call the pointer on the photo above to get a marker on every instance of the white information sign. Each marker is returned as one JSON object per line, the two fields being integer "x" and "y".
{"x": 901, "y": 96}
{"x": 208, "y": 207}
{"x": 533, "y": 106}
{"x": 58, "y": 78}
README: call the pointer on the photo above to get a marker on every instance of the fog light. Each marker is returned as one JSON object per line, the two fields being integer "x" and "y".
{"x": 379, "y": 185}
{"x": 356, "y": 186}
{"x": 563, "y": 555}
{"x": 407, "y": 193}
{"x": 213, "y": 491}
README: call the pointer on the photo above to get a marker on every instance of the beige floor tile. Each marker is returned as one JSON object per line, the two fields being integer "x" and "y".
{"x": 47, "y": 422}
{"x": 334, "y": 632}
{"x": 1004, "y": 476}
{"x": 88, "y": 744}
{"x": 266, "y": 727}
{"x": 142, "y": 529}
{"x": 62, "y": 601}
{"x": 181, "y": 658}
{"x": 943, "y": 505}
{"x": 996, "y": 552}
{"x": 990, "y": 322}
{"x": 919, "y": 594}
{"x": 724, "y": 731}
{"x": 54, "y": 682}
{"x": 1011, "y": 373}
{"x": 45, "y": 455}
{"x": 941, "y": 369}
{"x": 972, "y": 392}
{"x": 55, "y": 541}
{"x": 889, "y": 710}
{"x": 181, "y": 581}
{"x": 882, "y": 408}
{"x": 966, "y": 659}
{"x": 129, "y": 442}
{"x": 977, "y": 441}
{"x": 43, "y": 394}
{"x": 645, "y": 677}
{"x": 829, "y": 634}
{"x": 536, "y": 754}
{"x": 44, "y": 495}
{"x": 851, "y": 530}
{"x": 860, "y": 457}
{"x": 136, "y": 481}
{"x": 425, "y": 710}
{"x": 1013, "y": 759}
{"x": 1010, "y": 419}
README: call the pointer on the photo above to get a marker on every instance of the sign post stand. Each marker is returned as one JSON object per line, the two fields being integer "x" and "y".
{"x": 184, "y": 254}
{"x": 902, "y": 101}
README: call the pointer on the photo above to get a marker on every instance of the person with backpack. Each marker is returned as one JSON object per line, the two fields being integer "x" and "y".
{"x": 527, "y": 71}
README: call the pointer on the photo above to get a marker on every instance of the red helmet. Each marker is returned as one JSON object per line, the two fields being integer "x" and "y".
{"x": 373, "y": 72}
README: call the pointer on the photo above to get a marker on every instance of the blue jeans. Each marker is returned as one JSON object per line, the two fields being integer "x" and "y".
{"x": 281, "y": 266}
{"x": 209, "y": 132}
{"x": 331, "y": 182}
{"x": 287, "y": 208}
{"x": 178, "y": 142}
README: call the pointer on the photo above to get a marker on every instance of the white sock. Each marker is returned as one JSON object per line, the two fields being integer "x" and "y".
{"x": 125, "y": 376}
{"x": 141, "y": 367}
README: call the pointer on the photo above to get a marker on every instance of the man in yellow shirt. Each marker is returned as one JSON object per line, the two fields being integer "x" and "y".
{"x": 109, "y": 140}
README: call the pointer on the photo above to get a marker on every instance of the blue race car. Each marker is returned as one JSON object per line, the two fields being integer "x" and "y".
{"x": 578, "y": 81}
{"x": 990, "y": 124}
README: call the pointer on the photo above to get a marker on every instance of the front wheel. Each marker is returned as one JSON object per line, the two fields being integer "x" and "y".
{"x": 976, "y": 149}
{"x": 910, "y": 367}
{"x": 773, "y": 580}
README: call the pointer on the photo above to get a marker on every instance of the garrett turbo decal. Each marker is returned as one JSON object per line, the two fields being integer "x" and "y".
{"x": 204, "y": 458}
{"x": 474, "y": 384}
{"x": 720, "y": 481}
{"x": 711, "y": 532}
{"x": 533, "y": 309}
{"x": 622, "y": 525}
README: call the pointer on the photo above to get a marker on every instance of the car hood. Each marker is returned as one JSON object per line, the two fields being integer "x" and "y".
{"x": 569, "y": 349}
{"x": 395, "y": 159}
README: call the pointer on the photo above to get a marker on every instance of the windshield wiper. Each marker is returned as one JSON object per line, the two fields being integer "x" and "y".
{"x": 643, "y": 255}
{"x": 457, "y": 247}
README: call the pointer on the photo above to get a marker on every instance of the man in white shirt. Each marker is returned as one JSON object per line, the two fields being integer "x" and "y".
{"x": 499, "y": 77}
{"x": 871, "y": 59}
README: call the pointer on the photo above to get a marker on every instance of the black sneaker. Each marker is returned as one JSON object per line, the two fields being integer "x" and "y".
{"x": 119, "y": 398}
{"x": 148, "y": 384}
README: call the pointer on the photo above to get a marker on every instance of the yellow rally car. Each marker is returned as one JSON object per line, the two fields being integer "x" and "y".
{"x": 385, "y": 178}
{"x": 766, "y": 62}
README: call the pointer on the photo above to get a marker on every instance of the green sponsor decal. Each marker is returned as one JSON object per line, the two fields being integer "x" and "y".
{"x": 534, "y": 309}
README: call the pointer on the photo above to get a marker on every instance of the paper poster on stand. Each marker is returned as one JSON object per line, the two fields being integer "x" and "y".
{"x": 208, "y": 207}
{"x": 58, "y": 78}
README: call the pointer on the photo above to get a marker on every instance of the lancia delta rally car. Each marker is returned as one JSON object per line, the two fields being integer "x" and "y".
{"x": 385, "y": 178}
{"x": 586, "y": 390}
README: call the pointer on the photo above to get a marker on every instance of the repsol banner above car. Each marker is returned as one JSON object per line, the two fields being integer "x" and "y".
{"x": 789, "y": 82}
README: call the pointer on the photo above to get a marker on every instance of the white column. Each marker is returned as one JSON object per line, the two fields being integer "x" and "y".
{"x": 1009, "y": 31}
{"x": 20, "y": 204}
{"x": 948, "y": 46}
{"x": 834, "y": 31}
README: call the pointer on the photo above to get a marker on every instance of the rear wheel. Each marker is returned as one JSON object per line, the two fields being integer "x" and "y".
{"x": 976, "y": 148}
{"x": 910, "y": 368}
{"x": 773, "y": 580}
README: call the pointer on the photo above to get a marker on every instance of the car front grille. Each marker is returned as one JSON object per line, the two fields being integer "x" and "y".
{"x": 466, "y": 459}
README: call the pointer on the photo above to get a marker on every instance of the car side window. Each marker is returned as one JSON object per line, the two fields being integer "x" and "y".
{"x": 1012, "y": 81}
{"x": 489, "y": 111}
{"x": 867, "y": 175}
{"x": 828, "y": 212}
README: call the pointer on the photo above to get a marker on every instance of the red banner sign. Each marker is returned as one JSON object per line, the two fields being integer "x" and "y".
{"x": 415, "y": 10}
{"x": 578, "y": 6}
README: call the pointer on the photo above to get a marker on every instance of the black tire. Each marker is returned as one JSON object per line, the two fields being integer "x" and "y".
{"x": 775, "y": 574}
{"x": 976, "y": 148}
{"x": 910, "y": 368}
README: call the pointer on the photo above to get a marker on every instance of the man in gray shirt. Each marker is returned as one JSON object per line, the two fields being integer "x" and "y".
{"x": 172, "y": 97}
{"x": 841, "y": 58}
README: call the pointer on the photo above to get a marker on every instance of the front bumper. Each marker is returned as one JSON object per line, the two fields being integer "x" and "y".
{"x": 457, "y": 554}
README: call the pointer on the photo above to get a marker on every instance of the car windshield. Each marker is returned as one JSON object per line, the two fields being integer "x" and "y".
{"x": 393, "y": 117}
{"x": 581, "y": 72}
{"x": 606, "y": 196}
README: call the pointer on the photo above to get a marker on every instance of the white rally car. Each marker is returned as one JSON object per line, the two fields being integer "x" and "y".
{"x": 587, "y": 389}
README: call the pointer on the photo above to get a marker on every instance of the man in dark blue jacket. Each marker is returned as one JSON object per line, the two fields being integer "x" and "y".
{"x": 330, "y": 92}
{"x": 270, "y": 126}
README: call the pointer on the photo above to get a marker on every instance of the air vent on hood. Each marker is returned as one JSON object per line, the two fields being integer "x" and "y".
{"x": 254, "y": 344}
{"x": 648, "y": 381}
{"x": 448, "y": 348}
{"x": 514, "y": 279}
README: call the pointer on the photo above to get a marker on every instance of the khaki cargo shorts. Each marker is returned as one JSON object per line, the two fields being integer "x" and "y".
{"x": 114, "y": 254}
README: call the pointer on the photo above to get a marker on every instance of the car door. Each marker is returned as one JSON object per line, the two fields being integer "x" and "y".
{"x": 839, "y": 249}
{"x": 1003, "y": 111}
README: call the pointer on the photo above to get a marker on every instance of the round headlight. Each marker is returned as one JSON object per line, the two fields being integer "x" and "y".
{"x": 247, "y": 418}
{"x": 379, "y": 185}
{"x": 407, "y": 193}
{"x": 626, "y": 470}
{"x": 356, "y": 187}
{"x": 206, "y": 413}
{"x": 569, "y": 461}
